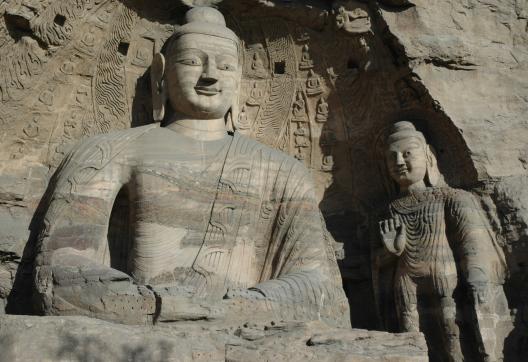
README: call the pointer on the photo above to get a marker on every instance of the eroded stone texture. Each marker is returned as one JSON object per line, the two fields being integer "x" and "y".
{"x": 79, "y": 338}
{"x": 477, "y": 49}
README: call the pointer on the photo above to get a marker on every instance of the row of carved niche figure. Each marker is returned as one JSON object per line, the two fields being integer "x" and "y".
{"x": 302, "y": 140}
{"x": 258, "y": 68}
{"x": 313, "y": 88}
{"x": 299, "y": 106}
{"x": 299, "y": 109}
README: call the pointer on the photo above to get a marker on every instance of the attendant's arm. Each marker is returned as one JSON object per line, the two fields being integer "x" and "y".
{"x": 470, "y": 234}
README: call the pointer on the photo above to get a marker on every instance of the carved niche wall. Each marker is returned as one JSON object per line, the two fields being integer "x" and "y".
{"x": 320, "y": 83}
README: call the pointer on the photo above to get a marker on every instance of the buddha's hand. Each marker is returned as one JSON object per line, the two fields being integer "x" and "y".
{"x": 252, "y": 294}
{"x": 392, "y": 233}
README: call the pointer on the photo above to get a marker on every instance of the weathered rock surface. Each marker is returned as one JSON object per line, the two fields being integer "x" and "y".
{"x": 472, "y": 56}
{"x": 27, "y": 338}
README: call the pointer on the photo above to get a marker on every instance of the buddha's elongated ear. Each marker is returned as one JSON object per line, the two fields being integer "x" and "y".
{"x": 433, "y": 177}
{"x": 157, "y": 84}
{"x": 232, "y": 115}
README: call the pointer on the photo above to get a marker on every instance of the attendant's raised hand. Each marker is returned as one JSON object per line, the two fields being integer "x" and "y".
{"x": 392, "y": 233}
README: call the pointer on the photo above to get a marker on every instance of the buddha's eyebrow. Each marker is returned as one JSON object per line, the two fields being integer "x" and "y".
{"x": 189, "y": 50}
{"x": 414, "y": 143}
{"x": 227, "y": 56}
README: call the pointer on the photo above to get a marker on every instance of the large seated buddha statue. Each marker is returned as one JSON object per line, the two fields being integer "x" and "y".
{"x": 190, "y": 219}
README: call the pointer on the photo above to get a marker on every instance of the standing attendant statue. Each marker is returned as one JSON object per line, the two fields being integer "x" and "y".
{"x": 189, "y": 220}
{"x": 443, "y": 243}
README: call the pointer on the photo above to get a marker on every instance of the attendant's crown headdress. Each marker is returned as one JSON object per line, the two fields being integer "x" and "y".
{"x": 402, "y": 130}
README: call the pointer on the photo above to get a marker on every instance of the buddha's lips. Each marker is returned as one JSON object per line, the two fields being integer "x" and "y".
{"x": 402, "y": 170}
{"x": 207, "y": 91}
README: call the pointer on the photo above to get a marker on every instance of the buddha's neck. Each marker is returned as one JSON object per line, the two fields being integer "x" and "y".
{"x": 198, "y": 129}
{"x": 418, "y": 186}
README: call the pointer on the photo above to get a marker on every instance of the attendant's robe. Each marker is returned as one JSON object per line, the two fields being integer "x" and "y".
{"x": 191, "y": 219}
{"x": 446, "y": 236}
{"x": 449, "y": 246}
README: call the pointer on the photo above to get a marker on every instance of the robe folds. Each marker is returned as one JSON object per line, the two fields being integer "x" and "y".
{"x": 137, "y": 217}
{"x": 452, "y": 262}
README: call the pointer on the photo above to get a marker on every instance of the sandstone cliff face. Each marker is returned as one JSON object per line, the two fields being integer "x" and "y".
{"x": 472, "y": 58}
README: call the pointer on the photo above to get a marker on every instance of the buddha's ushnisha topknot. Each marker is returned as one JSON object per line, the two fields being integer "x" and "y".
{"x": 205, "y": 20}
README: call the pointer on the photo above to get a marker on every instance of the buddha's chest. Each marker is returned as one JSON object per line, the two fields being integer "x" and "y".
{"x": 170, "y": 209}
{"x": 425, "y": 228}
{"x": 175, "y": 172}
{"x": 175, "y": 194}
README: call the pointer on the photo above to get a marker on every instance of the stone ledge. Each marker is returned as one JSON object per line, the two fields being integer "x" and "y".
{"x": 31, "y": 338}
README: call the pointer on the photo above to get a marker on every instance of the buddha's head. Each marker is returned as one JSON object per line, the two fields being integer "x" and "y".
{"x": 410, "y": 161}
{"x": 199, "y": 74}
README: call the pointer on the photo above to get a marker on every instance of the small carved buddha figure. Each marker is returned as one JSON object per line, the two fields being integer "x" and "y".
{"x": 313, "y": 84}
{"x": 322, "y": 111}
{"x": 299, "y": 106}
{"x": 306, "y": 60}
{"x": 301, "y": 135}
{"x": 255, "y": 95}
{"x": 257, "y": 66}
{"x": 328, "y": 163}
{"x": 243, "y": 121}
{"x": 443, "y": 242}
{"x": 186, "y": 221}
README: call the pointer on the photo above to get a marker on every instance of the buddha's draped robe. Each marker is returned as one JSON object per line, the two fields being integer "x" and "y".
{"x": 192, "y": 219}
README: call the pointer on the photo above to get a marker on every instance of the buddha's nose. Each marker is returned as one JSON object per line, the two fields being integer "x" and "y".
{"x": 399, "y": 159}
{"x": 210, "y": 73}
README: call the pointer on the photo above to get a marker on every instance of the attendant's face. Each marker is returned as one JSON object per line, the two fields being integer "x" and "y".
{"x": 407, "y": 161}
{"x": 202, "y": 75}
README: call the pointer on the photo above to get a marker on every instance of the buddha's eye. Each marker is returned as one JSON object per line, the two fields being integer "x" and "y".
{"x": 226, "y": 66}
{"x": 190, "y": 61}
{"x": 406, "y": 153}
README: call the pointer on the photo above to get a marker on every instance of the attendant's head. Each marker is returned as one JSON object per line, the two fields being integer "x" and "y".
{"x": 199, "y": 74}
{"x": 410, "y": 161}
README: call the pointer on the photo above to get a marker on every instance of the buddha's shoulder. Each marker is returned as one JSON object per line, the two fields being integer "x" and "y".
{"x": 269, "y": 155}
{"x": 108, "y": 144}
{"x": 120, "y": 135}
{"x": 459, "y": 197}
{"x": 249, "y": 145}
